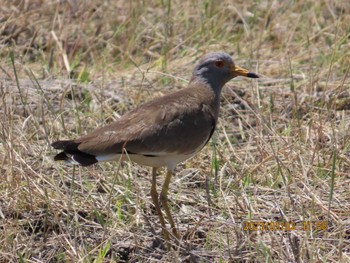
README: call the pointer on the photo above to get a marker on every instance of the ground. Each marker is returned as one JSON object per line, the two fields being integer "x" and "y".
{"x": 273, "y": 184}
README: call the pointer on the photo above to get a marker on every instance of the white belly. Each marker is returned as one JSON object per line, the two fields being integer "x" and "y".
{"x": 168, "y": 160}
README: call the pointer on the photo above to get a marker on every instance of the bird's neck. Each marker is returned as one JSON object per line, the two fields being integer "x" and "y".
{"x": 214, "y": 84}
{"x": 210, "y": 96}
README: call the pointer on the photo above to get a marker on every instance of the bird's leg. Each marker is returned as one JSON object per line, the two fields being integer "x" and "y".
{"x": 164, "y": 201}
{"x": 154, "y": 195}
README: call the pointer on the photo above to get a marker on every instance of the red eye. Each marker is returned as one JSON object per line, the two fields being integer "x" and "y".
{"x": 219, "y": 63}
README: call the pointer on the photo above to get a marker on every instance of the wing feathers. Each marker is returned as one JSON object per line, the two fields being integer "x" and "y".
{"x": 179, "y": 123}
{"x": 72, "y": 154}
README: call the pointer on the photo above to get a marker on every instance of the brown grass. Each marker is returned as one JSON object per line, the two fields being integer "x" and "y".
{"x": 280, "y": 153}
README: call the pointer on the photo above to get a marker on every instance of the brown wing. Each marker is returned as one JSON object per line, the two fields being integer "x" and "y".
{"x": 176, "y": 123}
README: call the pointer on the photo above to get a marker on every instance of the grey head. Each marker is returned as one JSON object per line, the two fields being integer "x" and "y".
{"x": 217, "y": 68}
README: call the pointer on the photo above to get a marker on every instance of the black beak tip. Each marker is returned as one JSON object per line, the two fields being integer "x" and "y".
{"x": 252, "y": 75}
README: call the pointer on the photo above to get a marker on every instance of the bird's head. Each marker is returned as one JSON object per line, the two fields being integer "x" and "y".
{"x": 217, "y": 68}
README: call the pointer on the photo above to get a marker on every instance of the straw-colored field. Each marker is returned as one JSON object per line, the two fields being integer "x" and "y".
{"x": 280, "y": 153}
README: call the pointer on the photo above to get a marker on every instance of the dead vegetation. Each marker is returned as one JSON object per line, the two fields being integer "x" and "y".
{"x": 281, "y": 153}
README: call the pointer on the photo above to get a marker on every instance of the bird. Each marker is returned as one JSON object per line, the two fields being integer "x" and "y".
{"x": 163, "y": 132}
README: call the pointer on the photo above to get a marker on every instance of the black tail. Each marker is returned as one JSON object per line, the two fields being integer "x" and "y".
{"x": 72, "y": 154}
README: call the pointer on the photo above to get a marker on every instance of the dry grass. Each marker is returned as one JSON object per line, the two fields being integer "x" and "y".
{"x": 281, "y": 152}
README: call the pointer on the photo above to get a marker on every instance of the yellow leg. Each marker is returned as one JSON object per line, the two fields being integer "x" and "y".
{"x": 164, "y": 201}
{"x": 155, "y": 199}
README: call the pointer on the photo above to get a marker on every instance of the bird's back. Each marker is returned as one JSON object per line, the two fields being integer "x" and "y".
{"x": 179, "y": 123}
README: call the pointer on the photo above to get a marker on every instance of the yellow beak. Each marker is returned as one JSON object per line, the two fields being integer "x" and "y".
{"x": 238, "y": 71}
